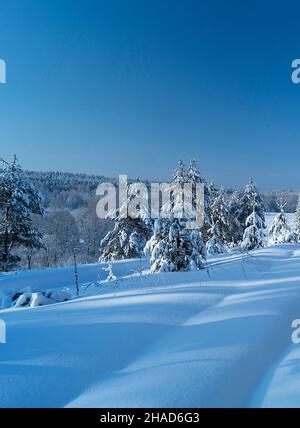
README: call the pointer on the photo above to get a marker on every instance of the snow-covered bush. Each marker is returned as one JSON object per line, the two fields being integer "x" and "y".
{"x": 27, "y": 298}
{"x": 110, "y": 275}
{"x": 58, "y": 295}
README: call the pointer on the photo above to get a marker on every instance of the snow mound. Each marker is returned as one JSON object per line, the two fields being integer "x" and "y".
{"x": 33, "y": 298}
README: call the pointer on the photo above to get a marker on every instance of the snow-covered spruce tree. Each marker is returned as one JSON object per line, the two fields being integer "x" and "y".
{"x": 222, "y": 221}
{"x": 126, "y": 241}
{"x": 279, "y": 231}
{"x": 173, "y": 248}
{"x": 129, "y": 236}
{"x": 160, "y": 230}
{"x": 18, "y": 201}
{"x": 249, "y": 199}
{"x": 297, "y": 221}
{"x": 197, "y": 252}
{"x": 167, "y": 248}
{"x": 236, "y": 228}
{"x": 194, "y": 177}
{"x": 214, "y": 245}
{"x": 193, "y": 174}
{"x": 254, "y": 236}
{"x": 179, "y": 175}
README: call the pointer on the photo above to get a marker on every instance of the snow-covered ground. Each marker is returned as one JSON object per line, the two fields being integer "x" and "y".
{"x": 218, "y": 337}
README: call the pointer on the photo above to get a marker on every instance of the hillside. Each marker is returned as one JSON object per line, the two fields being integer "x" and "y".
{"x": 178, "y": 339}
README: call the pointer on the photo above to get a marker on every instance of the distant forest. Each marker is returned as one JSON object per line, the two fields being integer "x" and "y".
{"x": 70, "y": 218}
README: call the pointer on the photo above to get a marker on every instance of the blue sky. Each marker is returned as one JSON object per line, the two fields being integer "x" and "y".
{"x": 131, "y": 86}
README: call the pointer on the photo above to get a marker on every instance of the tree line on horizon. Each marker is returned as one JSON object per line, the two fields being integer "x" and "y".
{"x": 41, "y": 229}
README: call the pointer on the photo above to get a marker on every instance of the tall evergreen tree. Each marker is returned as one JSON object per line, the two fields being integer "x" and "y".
{"x": 222, "y": 221}
{"x": 193, "y": 174}
{"x": 18, "y": 201}
{"x": 214, "y": 245}
{"x": 129, "y": 236}
{"x": 194, "y": 177}
{"x": 179, "y": 175}
{"x": 297, "y": 221}
{"x": 250, "y": 198}
{"x": 254, "y": 236}
{"x": 236, "y": 228}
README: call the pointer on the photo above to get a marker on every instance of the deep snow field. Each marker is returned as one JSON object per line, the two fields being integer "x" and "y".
{"x": 218, "y": 337}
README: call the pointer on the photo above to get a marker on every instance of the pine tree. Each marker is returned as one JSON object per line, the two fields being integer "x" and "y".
{"x": 222, "y": 221}
{"x": 194, "y": 177}
{"x": 166, "y": 247}
{"x": 18, "y": 201}
{"x": 250, "y": 198}
{"x": 129, "y": 236}
{"x": 254, "y": 236}
{"x": 197, "y": 250}
{"x": 297, "y": 221}
{"x": 279, "y": 231}
{"x": 126, "y": 241}
{"x": 193, "y": 174}
{"x": 214, "y": 245}
{"x": 179, "y": 175}
{"x": 173, "y": 248}
{"x": 236, "y": 228}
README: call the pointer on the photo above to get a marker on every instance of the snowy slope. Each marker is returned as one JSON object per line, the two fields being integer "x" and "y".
{"x": 219, "y": 337}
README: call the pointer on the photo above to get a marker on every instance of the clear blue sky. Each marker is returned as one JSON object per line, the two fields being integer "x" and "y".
{"x": 131, "y": 86}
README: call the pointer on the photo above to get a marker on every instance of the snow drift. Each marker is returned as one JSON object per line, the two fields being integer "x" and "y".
{"x": 216, "y": 337}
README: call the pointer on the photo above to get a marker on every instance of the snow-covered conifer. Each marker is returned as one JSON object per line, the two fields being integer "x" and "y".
{"x": 222, "y": 221}
{"x": 173, "y": 248}
{"x": 179, "y": 175}
{"x": 254, "y": 236}
{"x": 129, "y": 236}
{"x": 193, "y": 174}
{"x": 250, "y": 198}
{"x": 214, "y": 245}
{"x": 18, "y": 202}
{"x": 194, "y": 177}
{"x": 297, "y": 221}
{"x": 198, "y": 250}
{"x": 279, "y": 231}
{"x": 126, "y": 241}
{"x": 236, "y": 228}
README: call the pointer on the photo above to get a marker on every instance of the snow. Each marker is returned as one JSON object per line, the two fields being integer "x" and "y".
{"x": 215, "y": 337}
